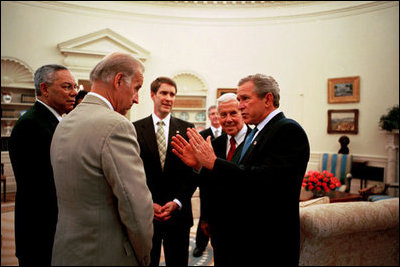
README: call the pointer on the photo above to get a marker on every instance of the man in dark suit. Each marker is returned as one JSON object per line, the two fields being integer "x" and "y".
{"x": 169, "y": 180}
{"x": 215, "y": 130}
{"x": 265, "y": 180}
{"x": 213, "y": 195}
{"x": 36, "y": 202}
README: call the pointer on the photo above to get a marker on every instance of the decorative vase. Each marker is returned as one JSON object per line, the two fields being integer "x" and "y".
{"x": 320, "y": 193}
{"x": 7, "y": 98}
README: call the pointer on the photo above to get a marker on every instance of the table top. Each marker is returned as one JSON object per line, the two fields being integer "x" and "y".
{"x": 334, "y": 196}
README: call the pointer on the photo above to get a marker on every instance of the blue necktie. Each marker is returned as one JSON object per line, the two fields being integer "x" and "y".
{"x": 247, "y": 142}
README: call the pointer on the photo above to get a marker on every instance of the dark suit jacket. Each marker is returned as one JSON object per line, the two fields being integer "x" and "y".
{"x": 205, "y": 133}
{"x": 264, "y": 189}
{"x": 210, "y": 193}
{"x": 36, "y": 202}
{"x": 176, "y": 181}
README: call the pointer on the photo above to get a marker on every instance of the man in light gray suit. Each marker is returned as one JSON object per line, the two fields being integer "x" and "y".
{"x": 105, "y": 207}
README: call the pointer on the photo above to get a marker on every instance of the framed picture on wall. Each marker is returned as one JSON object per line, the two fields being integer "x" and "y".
{"x": 343, "y": 121}
{"x": 221, "y": 91}
{"x": 344, "y": 90}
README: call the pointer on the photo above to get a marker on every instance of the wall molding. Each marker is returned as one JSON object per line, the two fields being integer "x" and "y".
{"x": 84, "y": 52}
{"x": 210, "y": 13}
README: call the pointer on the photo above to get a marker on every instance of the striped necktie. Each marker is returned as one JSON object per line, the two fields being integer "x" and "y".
{"x": 162, "y": 148}
{"x": 247, "y": 142}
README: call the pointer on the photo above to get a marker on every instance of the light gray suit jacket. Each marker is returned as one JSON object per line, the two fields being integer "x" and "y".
{"x": 105, "y": 207}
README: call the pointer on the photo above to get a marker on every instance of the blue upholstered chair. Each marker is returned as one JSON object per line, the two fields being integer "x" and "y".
{"x": 340, "y": 166}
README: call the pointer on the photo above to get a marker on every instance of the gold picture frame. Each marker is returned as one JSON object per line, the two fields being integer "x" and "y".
{"x": 221, "y": 91}
{"x": 344, "y": 90}
{"x": 344, "y": 121}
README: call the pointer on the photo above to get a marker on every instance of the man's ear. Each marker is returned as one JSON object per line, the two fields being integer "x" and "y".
{"x": 269, "y": 99}
{"x": 44, "y": 89}
{"x": 118, "y": 80}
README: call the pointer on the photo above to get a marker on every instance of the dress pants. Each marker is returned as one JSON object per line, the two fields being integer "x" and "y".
{"x": 201, "y": 238}
{"x": 175, "y": 240}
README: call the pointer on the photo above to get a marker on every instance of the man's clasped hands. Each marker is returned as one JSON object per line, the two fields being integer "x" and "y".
{"x": 196, "y": 153}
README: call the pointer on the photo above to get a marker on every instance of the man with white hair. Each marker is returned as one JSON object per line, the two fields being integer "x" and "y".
{"x": 213, "y": 195}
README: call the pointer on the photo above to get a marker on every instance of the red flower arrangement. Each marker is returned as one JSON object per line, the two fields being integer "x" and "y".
{"x": 319, "y": 182}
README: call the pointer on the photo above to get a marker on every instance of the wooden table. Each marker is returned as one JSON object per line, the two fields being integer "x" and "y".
{"x": 337, "y": 196}
{"x": 334, "y": 196}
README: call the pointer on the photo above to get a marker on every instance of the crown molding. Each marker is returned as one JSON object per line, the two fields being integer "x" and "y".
{"x": 216, "y": 12}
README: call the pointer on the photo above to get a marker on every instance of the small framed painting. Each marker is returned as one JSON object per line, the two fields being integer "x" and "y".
{"x": 343, "y": 121}
{"x": 344, "y": 90}
{"x": 221, "y": 91}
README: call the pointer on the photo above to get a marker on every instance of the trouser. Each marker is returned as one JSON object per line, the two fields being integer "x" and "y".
{"x": 175, "y": 241}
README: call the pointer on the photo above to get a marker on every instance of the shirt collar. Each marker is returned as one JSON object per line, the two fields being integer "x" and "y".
{"x": 262, "y": 124}
{"x": 157, "y": 119}
{"x": 52, "y": 110}
{"x": 102, "y": 98}
{"x": 239, "y": 137}
{"x": 219, "y": 129}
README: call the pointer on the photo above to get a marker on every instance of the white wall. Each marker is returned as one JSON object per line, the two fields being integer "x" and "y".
{"x": 300, "y": 53}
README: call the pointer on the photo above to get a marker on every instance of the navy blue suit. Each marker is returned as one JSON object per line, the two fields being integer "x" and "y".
{"x": 258, "y": 198}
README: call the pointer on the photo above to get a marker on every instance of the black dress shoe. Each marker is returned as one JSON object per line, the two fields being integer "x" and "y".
{"x": 197, "y": 252}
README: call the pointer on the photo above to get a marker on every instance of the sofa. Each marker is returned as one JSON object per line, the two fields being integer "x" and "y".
{"x": 349, "y": 233}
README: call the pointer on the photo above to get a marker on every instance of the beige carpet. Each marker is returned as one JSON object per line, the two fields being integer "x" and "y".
{"x": 8, "y": 242}
{"x": 7, "y": 236}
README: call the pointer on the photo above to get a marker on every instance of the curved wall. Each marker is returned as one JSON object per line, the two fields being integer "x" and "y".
{"x": 301, "y": 45}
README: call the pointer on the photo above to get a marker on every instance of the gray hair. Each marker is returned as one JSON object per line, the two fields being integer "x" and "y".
{"x": 226, "y": 98}
{"x": 263, "y": 85}
{"x": 46, "y": 74}
{"x": 113, "y": 63}
{"x": 210, "y": 108}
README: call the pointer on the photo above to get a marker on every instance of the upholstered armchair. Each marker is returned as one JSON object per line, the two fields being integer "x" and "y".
{"x": 340, "y": 166}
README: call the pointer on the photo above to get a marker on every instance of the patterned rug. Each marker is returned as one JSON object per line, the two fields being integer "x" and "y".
{"x": 205, "y": 260}
{"x": 8, "y": 242}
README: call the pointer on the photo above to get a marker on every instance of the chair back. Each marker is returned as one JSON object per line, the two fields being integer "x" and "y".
{"x": 338, "y": 164}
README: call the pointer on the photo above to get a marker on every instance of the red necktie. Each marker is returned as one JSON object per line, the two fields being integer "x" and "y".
{"x": 232, "y": 149}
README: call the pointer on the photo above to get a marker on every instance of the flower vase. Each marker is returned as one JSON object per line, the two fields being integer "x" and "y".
{"x": 320, "y": 193}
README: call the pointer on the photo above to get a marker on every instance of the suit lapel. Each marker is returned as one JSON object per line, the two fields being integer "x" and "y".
{"x": 263, "y": 135}
{"x": 238, "y": 151}
{"x": 149, "y": 135}
{"x": 220, "y": 146}
{"x": 45, "y": 114}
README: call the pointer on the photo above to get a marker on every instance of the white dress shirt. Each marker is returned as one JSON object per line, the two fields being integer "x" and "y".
{"x": 166, "y": 121}
{"x": 213, "y": 129}
{"x": 239, "y": 138}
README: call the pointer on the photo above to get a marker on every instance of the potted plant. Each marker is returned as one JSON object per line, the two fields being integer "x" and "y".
{"x": 390, "y": 121}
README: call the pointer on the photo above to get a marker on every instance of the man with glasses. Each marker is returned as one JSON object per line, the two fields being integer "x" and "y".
{"x": 36, "y": 203}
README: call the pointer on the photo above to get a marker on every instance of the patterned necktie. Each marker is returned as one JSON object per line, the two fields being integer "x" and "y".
{"x": 162, "y": 148}
{"x": 216, "y": 133}
{"x": 232, "y": 149}
{"x": 247, "y": 142}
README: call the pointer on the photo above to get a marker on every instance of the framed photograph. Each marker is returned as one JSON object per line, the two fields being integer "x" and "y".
{"x": 221, "y": 91}
{"x": 343, "y": 121}
{"x": 344, "y": 90}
